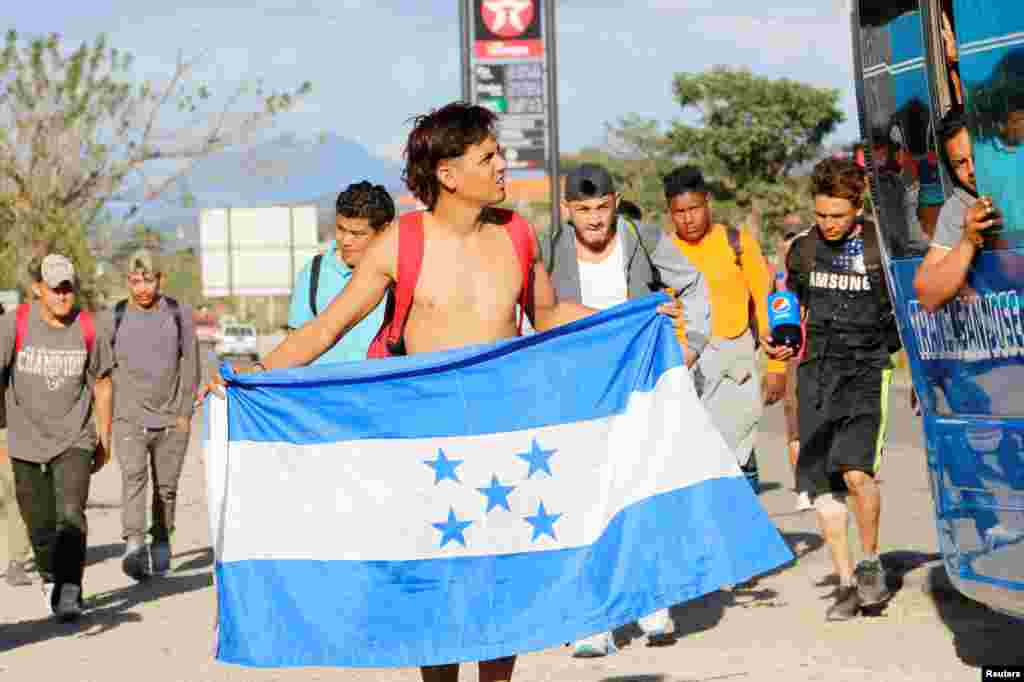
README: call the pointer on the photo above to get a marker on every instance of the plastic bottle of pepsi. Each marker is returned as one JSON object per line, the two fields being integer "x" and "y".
{"x": 784, "y": 320}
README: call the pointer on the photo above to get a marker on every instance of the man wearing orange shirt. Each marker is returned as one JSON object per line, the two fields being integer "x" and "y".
{"x": 735, "y": 274}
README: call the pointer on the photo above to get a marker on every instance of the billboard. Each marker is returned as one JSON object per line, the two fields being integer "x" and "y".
{"x": 508, "y": 74}
{"x": 255, "y": 251}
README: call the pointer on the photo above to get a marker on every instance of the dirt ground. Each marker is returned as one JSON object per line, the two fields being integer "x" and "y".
{"x": 771, "y": 631}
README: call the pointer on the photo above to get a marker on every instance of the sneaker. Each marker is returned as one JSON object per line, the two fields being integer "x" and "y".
{"x": 16, "y": 575}
{"x": 160, "y": 557}
{"x": 803, "y": 501}
{"x": 48, "y": 596}
{"x": 846, "y": 606}
{"x": 595, "y": 646}
{"x": 69, "y": 606}
{"x": 658, "y": 628}
{"x": 870, "y": 579}
{"x": 135, "y": 563}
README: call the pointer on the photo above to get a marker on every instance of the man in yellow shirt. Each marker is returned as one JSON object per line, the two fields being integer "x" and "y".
{"x": 736, "y": 272}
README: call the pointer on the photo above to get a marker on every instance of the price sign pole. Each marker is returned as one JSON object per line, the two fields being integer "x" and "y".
{"x": 508, "y": 66}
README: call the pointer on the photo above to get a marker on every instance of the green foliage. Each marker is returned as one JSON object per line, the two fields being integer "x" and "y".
{"x": 751, "y": 130}
{"x": 76, "y": 130}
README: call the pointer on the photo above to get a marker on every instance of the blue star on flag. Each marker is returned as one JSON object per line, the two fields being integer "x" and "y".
{"x": 443, "y": 467}
{"x": 538, "y": 459}
{"x": 497, "y": 494}
{"x": 452, "y": 529}
{"x": 543, "y": 523}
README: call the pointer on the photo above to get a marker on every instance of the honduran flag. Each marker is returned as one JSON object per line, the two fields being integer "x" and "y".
{"x": 472, "y": 504}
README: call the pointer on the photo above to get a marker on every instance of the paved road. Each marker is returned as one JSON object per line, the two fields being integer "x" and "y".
{"x": 772, "y": 631}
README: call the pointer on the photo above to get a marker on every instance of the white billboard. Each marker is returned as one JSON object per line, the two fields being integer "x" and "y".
{"x": 255, "y": 251}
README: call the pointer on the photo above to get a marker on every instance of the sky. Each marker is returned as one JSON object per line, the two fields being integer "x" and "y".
{"x": 375, "y": 63}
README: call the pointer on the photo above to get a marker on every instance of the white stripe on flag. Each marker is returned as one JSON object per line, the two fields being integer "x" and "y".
{"x": 376, "y": 500}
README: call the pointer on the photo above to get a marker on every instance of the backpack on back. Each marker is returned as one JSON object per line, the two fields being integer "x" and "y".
{"x": 807, "y": 252}
{"x": 21, "y": 328}
{"x": 390, "y": 340}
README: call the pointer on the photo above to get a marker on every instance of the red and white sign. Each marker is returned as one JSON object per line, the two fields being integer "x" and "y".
{"x": 507, "y": 18}
{"x": 508, "y": 49}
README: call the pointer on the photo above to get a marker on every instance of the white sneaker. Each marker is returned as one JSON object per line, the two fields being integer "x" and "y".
{"x": 48, "y": 597}
{"x": 657, "y": 627}
{"x": 69, "y": 606}
{"x": 594, "y": 646}
{"x": 803, "y": 501}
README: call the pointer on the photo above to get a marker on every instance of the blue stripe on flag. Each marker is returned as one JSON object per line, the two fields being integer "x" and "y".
{"x": 581, "y": 371}
{"x": 659, "y": 552}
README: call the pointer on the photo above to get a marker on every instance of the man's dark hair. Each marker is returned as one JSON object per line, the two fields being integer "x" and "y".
{"x": 840, "y": 179}
{"x": 684, "y": 180}
{"x": 630, "y": 210}
{"x": 951, "y": 124}
{"x": 366, "y": 201}
{"x": 444, "y": 133}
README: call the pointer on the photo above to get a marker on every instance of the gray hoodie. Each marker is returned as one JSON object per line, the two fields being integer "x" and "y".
{"x": 646, "y": 249}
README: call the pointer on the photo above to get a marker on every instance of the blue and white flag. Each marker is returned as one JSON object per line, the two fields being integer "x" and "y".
{"x": 472, "y": 504}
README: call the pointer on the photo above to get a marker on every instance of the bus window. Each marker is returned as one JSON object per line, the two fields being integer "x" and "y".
{"x": 897, "y": 126}
{"x": 992, "y": 66}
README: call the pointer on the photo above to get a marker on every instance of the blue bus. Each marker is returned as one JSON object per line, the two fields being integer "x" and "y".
{"x": 914, "y": 60}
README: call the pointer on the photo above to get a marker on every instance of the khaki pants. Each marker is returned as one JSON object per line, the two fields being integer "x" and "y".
{"x": 732, "y": 392}
{"x": 145, "y": 454}
{"x": 18, "y": 546}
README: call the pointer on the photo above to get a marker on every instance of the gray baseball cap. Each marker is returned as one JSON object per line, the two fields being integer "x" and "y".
{"x": 588, "y": 181}
{"x": 145, "y": 262}
{"x": 55, "y": 270}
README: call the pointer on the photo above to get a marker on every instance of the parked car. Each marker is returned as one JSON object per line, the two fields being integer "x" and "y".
{"x": 207, "y": 332}
{"x": 237, "y": 338}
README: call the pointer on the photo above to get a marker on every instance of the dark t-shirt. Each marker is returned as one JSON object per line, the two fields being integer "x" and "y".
{"x": 49, "y": 394}
{"x": 844, "y": 313}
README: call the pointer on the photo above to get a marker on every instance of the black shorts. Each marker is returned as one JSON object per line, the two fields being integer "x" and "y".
{"x": 842, "y": 416}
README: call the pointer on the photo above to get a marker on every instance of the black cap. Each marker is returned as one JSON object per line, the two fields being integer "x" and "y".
{"x": 588, "y": 181}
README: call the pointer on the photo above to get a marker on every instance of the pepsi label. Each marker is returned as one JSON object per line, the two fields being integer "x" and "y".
{"x": 784, "y": 319}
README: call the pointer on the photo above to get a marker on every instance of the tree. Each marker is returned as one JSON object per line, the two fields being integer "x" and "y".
{"x": 76, "y": 131}
{"x": 752, "y": 132}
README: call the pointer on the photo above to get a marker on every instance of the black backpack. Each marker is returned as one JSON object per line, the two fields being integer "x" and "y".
{"x": 733, "y": 235}
{"x": 807, "y": 252}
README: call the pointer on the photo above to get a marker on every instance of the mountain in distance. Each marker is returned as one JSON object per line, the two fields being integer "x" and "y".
{"x": 286, "y": 169}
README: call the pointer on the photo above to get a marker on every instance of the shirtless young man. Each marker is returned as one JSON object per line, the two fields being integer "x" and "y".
{"x": 470, "y": 279}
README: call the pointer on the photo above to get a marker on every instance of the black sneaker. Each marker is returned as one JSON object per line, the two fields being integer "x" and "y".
{"x": 870, "y": 578}
{"x": 846, "y": 606}
{"x": 135, "y": 563}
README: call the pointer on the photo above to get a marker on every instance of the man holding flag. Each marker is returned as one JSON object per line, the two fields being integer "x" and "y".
{"x": 470, "y": 280}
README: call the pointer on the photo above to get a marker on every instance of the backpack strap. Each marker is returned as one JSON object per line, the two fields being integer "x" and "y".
{"x": 521, "y": 233}
{"x": 733, "y": 235}
{"x": 21, "y": 326}
{"x": 390, "y": 338}
{"x": 314, "y": 281}
{"x": 656, "y": 283}
{"x": 119, "y": 311}
{"x": 88, "y": 330}
{"x": 176, "y": 312}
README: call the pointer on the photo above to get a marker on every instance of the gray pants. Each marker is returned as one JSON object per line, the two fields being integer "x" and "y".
{"x": 732, "y": 392}
{"x": 143, "y": 453}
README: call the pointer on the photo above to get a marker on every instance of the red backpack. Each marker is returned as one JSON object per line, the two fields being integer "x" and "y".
{"x": 390, "y": 339}
{"x": 21, "y": 328}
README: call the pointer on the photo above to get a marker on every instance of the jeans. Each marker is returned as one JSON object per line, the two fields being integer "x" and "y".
{"x": 52, "y": 497}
